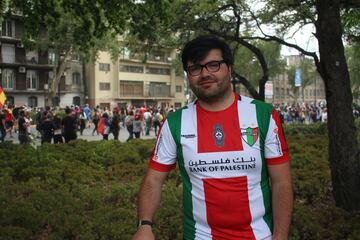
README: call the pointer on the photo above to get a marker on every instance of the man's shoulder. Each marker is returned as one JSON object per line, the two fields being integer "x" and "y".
{"x": 177, "y": 113}
{"x": 258, "y": 103}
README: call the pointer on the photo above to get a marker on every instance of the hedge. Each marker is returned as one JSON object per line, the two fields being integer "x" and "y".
{"x": 87, "y": 190}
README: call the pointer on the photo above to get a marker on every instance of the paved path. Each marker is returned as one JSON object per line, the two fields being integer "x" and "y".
{"x": 87, "y": 135}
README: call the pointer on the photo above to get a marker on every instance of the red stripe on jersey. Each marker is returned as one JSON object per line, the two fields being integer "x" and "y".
{"x": 208, "y": 123}
{"x": 161, "y": 167}
{"x": 283, "y": 144}
{"x": 227, "y": 208}
{"x": 153, "y": 158}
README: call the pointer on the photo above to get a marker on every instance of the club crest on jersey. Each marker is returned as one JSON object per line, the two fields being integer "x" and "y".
{"x": 250, "y": 135}
{"x": 219, "y": 135}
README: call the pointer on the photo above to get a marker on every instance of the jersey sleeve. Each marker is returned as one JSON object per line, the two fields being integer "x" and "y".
{"x": 276, "y": 148}
{"x": 163, "y": 157}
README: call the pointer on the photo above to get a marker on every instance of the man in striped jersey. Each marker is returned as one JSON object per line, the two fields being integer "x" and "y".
{"x": 232, "y": 156}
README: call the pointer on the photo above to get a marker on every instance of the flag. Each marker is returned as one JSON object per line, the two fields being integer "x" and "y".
{"x": 298, "y": 78}
{"x": 2, "y": 97}
{"x": 101, "y": 126}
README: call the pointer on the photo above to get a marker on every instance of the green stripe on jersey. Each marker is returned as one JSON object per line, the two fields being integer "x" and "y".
{"x": 174, "y": 121}
{"x": 263, "y": 114}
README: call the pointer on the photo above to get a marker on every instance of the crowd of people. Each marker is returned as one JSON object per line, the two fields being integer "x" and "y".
{"x": 55, "y": 127}
{"x": 58, "y": 126}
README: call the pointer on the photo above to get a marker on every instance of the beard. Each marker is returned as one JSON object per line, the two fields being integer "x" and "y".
{"x": 216, "y": 91}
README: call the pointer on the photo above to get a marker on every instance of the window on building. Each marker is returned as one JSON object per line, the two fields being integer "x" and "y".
{"x": 104, "y": 67}
{"x": 160, "y": 71}
{"x": 8, "y": 28}
{"x": 76, "y": 78}
{"x": 51, "y": 56}
{"x": 32, "y": 79}
{"x": 75, "y": 57}
{"x": 8, "y": 53}
{"x": 104, "y": 86}
{"x": 76, "y": 101}
{"x": 8, "y": 78}
{"x": 125, "y": 53}
{"x": 56, "y": 101}
{"x": 10, "y": 100}
{"x": 178, "y": 89}
{"x": 159, "y": 89}
{"x": 131, "y": 88}
{"x": 32, "y": 101}
{"x": 32, "y": 57}
{"x": 133, "y": 69}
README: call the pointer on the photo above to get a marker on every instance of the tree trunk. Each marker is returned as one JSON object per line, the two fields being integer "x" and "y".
{"x": 343, "y": 150}
{"x": 59, "y": 69}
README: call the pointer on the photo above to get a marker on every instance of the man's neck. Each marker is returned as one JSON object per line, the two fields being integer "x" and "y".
{"x": 218, "y": 104}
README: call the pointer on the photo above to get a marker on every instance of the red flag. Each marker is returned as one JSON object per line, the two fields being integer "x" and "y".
{"x": 101, "y": 126}
{"x": 2, "y": 97}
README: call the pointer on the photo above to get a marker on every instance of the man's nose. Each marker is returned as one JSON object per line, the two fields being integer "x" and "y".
{"x": 204, "y": 72}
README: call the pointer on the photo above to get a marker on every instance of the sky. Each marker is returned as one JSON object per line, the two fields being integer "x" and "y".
{"x": 303, "y": 38}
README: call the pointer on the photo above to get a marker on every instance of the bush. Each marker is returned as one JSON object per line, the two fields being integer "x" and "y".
{"x": 87, "y": 190}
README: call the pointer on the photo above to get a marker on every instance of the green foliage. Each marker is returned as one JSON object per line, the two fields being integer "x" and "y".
{"x": 88, "y": 190}
{"x": 352, "y": 57}
{"x": 306, "y": 130}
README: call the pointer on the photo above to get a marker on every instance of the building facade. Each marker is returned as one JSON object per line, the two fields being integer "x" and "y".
{"x": 130, "y": 80}
{"x": 25, "y": 74}
{"x": 280, "y": 89}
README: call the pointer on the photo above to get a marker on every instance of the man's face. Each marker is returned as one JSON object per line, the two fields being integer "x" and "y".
{"x": 210, "y": 84}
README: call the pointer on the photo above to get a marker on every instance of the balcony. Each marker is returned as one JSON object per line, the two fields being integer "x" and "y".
{"x": 159, "y": 90}
{"x": 131, "y": 89}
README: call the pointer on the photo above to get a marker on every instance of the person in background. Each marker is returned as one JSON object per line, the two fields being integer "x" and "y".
{"x": 156, "y": 121}
{"x": 115, "y": 124}
{"x": 47, "y": 129}
{"x": 129, "y": 120}
{"x": 57, "y": 130}
{"x": 82, "y": 121}
{"x": 87, "y": 115}
{"x": 9, "y": 120}
{"x": 137, "y": 126}
{"x": 107, "y": 123}
{"x": 23, "y": 125}
{"x": 95, "y": 120}
{"x": 69, "y": 125}
{"x": 147, "y": 119}
{"x": 2, "y": 125}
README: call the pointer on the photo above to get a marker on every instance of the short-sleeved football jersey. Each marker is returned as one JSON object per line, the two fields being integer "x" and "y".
{"x": 222, "y": 157}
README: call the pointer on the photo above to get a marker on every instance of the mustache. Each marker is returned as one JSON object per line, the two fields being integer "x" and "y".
{"x": 206, "y": 78}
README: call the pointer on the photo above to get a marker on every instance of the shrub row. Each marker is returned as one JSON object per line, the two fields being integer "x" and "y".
{"x": 87, "y": 190}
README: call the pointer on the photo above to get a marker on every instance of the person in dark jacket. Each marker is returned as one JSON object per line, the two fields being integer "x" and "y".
{"x": 69, "y": 126}
{"x": 115, "y": 125}
{"x": 47, "y": 129}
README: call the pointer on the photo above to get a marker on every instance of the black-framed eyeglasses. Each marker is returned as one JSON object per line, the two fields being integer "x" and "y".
{"x": 212, "y": 66}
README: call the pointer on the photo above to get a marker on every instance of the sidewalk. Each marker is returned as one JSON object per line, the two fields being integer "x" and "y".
{"x": 87, "y": 135}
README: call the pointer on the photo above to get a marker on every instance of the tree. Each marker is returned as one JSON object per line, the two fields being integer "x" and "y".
{"x": 72, "y": 27}
{"x": 325, "y": 15}
{"x": 235, "y": 21}
{"x": 352, "y": 57}
{"x": 182, "y": 20}
{"x": 308, "y": 75}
